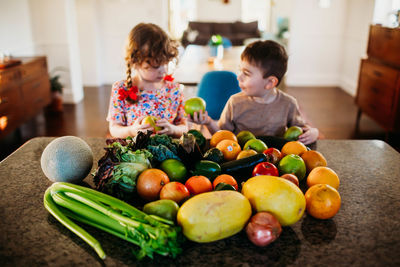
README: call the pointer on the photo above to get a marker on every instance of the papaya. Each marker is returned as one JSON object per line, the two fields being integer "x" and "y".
{"x": 214, "y": 215}
{"x": 276, "y": 195}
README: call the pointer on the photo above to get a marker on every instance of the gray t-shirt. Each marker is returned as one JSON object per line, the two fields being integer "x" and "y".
{"x": 242, "y": 112}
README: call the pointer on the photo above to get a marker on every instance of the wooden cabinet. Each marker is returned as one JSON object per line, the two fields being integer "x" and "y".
{"x": 378, "y": 93}
{"x": 24, "y": 91}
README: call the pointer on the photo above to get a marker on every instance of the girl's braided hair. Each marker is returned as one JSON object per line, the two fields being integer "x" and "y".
{"x": 149, "y": 43}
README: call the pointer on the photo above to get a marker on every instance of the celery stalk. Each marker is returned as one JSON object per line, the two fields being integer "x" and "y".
{"x": 151, "y": 233}
{"x": 54, "y": 210}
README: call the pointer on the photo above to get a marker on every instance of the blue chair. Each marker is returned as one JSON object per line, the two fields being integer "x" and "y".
{"x": 215, "y": 88}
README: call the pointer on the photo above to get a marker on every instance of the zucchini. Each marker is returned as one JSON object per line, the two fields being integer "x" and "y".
{"x": 207, "y": 168}
{"x": 241, "y": 169}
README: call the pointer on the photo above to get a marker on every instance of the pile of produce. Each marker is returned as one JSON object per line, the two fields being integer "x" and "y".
{"x": 204, "y": 191}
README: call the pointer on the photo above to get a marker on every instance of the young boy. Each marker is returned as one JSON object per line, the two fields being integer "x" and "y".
{"x": 260, "y": 108}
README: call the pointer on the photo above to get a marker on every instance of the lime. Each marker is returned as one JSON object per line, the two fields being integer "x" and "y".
{"x": 175, "y": 169}
{"x": 255, "y": 144}
{"x": 244, "y": 136}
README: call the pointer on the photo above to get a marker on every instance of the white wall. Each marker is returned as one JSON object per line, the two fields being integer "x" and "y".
{"x": 326, "y": 44}
{"x": 15, "y": 29}
{"x": 355, "y": 41}
{"x": 213, "y": 10}
{"x": 315, "y": 44}
{"x": 103, "y": 28}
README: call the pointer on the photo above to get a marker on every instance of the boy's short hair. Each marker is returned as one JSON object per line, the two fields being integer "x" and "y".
{"x": 268, "y": 55}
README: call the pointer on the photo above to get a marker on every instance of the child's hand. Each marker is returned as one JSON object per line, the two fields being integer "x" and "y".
{"x": 138, "y": 127}
{"x": 309, "y": 136}
{"x": 167, "y": 128}
{"x": 200, "y": 118}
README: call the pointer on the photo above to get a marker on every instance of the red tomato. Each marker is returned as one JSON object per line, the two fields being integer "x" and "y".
{"x": 265, "y": 168}
{"x": 175, "y": 191}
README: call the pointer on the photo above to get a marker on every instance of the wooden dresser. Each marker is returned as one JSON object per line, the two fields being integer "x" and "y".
{"x": 378, "y": 93}
{"x": 24, "y": 91}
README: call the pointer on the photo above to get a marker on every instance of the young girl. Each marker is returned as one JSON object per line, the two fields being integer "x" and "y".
{"x": 149, "y": 91}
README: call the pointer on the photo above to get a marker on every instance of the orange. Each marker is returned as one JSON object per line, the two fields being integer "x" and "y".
{"x": 198, "y": 184}
{"x": 322, "y": 201}
{"x": 229, "y": 148}
{"x": 225, "y": 178}
{"x": 222, "y": 135}
{"x": 323, "y": 175}
{"x": 150, "y": 182}
{"x": 293, "y": 147}
{"x": 313, "y": 159}
{"x": 246, "y": 153}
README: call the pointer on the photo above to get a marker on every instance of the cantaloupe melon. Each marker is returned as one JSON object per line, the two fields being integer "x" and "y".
{"x": 67, "y": 159}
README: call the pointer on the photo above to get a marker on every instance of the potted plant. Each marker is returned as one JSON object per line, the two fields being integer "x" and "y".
{"x": 216, "y": 46}
{"x": 56, "y": 88}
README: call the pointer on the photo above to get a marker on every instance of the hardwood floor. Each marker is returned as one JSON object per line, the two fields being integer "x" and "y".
{"x": 330, "y": 109}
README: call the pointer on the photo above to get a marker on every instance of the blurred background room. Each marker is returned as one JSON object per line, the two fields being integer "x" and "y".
{"x": 71, "y": 51}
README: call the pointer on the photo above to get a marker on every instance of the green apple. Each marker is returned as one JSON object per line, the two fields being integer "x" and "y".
{"x": 292, "y": 164}
{"x": 244, "y": 136}
{"x": 293, "y": 133}
{"x": 255, "y": 144}
{"x": 194, "y": 104}
{"x": 152, "y": 121}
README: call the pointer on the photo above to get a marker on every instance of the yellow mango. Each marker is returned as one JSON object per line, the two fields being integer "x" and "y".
{"x": 212, "y": 216}
{"x": 277, "y": 196}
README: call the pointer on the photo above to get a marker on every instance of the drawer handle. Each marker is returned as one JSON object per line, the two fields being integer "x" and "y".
{"x": 378, "y": 73}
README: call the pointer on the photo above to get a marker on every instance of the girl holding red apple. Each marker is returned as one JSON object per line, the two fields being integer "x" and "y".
{"x": 148, "y": 91}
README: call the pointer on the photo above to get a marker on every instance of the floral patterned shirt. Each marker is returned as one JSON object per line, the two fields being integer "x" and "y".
{"x": 167, "y": 103}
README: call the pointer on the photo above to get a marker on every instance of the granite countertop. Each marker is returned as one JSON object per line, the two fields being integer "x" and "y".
{"x": 366, "y": 231}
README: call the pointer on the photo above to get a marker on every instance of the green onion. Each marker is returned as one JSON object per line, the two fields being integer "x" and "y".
{"x": 151, "y": 233}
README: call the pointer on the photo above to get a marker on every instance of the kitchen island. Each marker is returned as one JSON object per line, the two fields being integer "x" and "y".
{"x": 365, "y": 232}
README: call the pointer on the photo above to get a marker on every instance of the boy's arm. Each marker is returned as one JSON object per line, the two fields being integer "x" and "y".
{"x": 309, "y": 136}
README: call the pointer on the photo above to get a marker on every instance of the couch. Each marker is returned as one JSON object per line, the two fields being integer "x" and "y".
{"x": 199, "y": 32}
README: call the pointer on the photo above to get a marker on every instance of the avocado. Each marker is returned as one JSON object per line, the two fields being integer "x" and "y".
{"x": 164, "y": 208}
{"x": 67, "y": 159}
